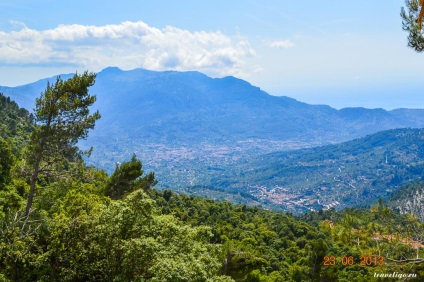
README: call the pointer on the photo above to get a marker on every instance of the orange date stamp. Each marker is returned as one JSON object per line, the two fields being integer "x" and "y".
{"x": 350, "y": 260}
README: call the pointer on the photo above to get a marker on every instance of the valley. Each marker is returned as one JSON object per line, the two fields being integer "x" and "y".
{"x": 226, "y": 139}
{"x": 347, "y": 174}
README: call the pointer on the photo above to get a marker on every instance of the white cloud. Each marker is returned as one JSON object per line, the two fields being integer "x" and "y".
{"x": 127, "y": 45}
{"x": 280, "y": 44}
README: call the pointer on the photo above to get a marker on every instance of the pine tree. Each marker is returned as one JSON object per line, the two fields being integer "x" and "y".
{"x": 63, "y": 117}
{"x": 412, "y": 22}
{"x": 127, "y": 178}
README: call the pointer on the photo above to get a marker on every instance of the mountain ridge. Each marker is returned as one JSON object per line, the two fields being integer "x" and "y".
{"x": 190, "y": 120}
{"x": 130, "y": 75}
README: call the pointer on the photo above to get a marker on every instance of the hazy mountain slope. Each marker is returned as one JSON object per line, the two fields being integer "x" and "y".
{"x": 179, "y": 121}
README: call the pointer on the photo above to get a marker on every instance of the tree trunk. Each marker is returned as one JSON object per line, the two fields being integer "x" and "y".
{"x": 33, "y": 182}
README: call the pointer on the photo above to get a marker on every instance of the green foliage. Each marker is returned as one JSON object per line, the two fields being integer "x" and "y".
{"x": 11, "y": 200}
{"x": 409, "y": 199}
{"x": 78, "y": 234}
{"x": 377, "y": 231}
{"x": 258, "y": 244}
{"x": 20, "y": 254}
{"x": 261, "y": 244}
{"x": 6, "y": 162}
{"x": 125, "y": 241}
{"x": 62, "y": 117}
{"x": 15, "y": 124}
{"x": 127, "y": 178}
{"x": 11, "y": 190}
{"x": 412, "y": 23}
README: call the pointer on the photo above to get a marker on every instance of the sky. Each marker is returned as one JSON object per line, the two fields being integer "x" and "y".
{"x": 339, "y": 53}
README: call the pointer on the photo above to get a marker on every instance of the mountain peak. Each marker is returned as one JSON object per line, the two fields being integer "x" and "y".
{"x": 111, "y": 70}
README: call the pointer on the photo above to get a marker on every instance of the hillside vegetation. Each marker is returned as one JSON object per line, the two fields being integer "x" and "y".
{"x": 15, "y": 123}
{"x": 409, "y": 200}
{"x": 343, "y": 175}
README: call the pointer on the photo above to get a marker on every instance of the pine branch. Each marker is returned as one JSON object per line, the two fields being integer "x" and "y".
{"x": 421, "y": 15}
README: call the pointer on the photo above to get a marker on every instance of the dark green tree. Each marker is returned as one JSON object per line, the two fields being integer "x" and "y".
{"x": 15, "y": 124}
{"x": 62, "y": 116}
{"x": 412, "y": 20}
{"x": 8, "y": 196}
{"x": 6, "y": 162}
{"x": 127, "y": 178}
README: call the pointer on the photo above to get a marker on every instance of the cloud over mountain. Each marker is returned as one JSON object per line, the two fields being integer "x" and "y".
{"x": 127, "y": 45}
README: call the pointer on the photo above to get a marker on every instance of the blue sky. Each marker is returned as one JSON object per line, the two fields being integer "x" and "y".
{"x": 340, "y": 53}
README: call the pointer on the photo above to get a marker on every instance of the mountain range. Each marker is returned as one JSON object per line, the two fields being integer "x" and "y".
{"x": 184, "y": 125}
{"x": 192, "y": 107}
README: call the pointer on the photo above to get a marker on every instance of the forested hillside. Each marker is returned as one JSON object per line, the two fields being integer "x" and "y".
{"x": 85, "y": 225}
{"x": 78, "y": 233}
{"x": 342, "y": 175}
{"x": 409, "y": 199}
{"x": 15, "y": 123}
